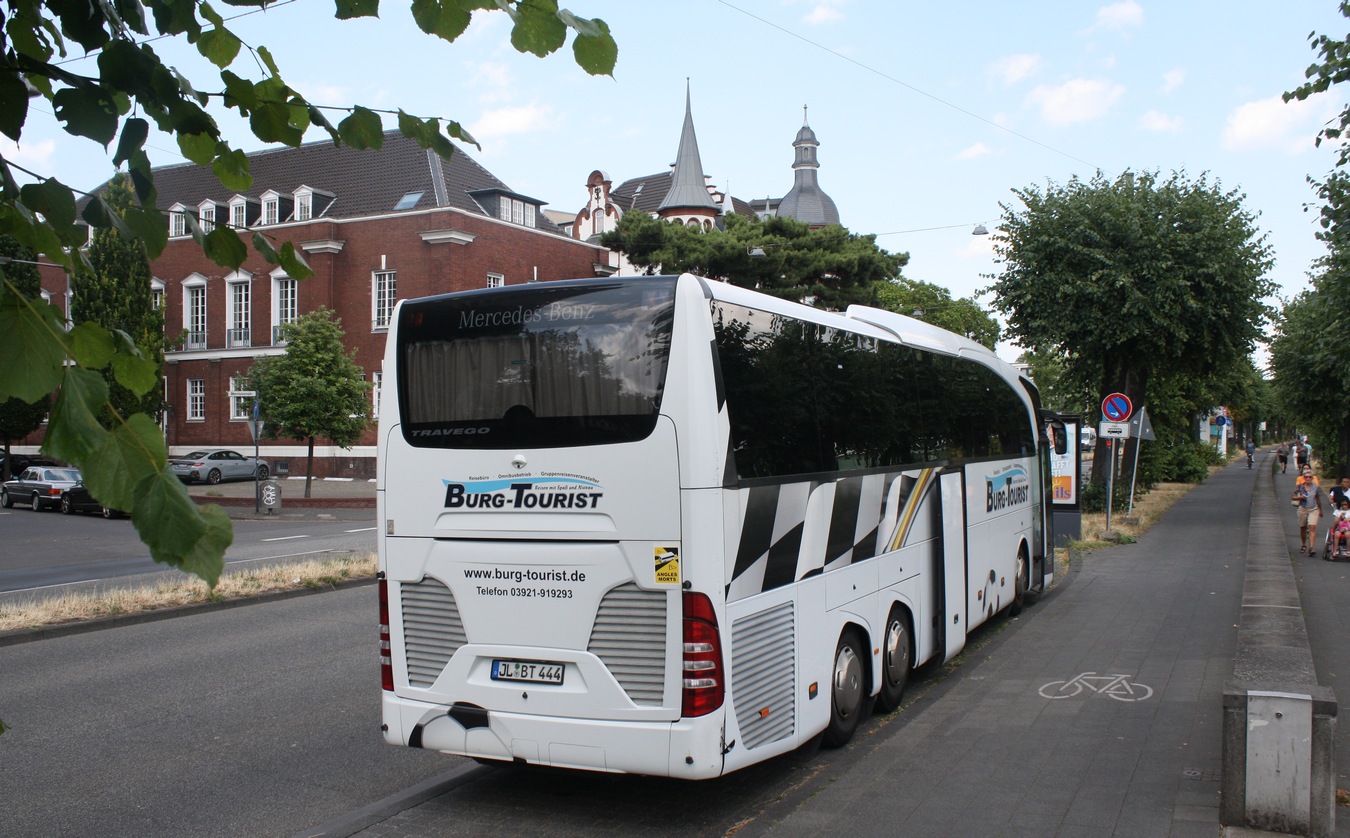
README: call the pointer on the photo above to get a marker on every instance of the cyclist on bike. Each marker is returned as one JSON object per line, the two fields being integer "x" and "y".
{"x": 1251, "y": 452}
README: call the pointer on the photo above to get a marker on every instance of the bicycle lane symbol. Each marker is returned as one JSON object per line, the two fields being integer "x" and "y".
{"x": 1118, "y": 687}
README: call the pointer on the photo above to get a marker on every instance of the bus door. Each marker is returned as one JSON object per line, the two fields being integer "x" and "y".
{"x": 951, "y": 579}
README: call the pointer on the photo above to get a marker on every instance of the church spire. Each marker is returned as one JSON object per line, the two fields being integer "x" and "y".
{"x": 688, "y": 187}
{"x": 805, "y": 201}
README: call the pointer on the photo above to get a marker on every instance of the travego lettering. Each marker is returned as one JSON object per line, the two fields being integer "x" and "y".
{"x": 427, "y": 432}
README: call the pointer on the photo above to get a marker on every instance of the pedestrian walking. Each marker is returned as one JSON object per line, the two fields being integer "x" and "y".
{"x": 1283, "y": 454}
{"x": 1307, "y": 498}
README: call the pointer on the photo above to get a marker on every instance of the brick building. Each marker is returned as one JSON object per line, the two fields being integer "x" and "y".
{"x": 375, "y": 227}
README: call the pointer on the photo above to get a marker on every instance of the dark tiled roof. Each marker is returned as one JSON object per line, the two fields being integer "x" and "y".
{"x": 654, "y": 189}
{"x": 364, "y": 182}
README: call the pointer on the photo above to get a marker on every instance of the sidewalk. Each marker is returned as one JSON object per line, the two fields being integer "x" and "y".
{"x": 1000, "y": 747}
{"x": 330, "y": 499}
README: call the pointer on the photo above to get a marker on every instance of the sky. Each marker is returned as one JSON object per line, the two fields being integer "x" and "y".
{"x": 929, "y": 115}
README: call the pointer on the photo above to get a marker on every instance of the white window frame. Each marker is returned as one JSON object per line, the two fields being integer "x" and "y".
{"x": 383, "y": 297}
{"x": 195, "y": 317}
{"x": 285, "y": 303}
{"x": 157, "y": 289}
{"x": 241, "y": 400}
{"x": 271, "y": 207}
{"x": 239, "y": 309}
{"x": 177, "y": 221}
{"x": 239, "y": 212}
{"x": 206, "y": 216}
{"x": 304, "y": 204}
{"x": 495, "y": 280}
{"x": 196, "y": 400}
{"x": 376, "y": 385}
{"x": 529, "y": 214}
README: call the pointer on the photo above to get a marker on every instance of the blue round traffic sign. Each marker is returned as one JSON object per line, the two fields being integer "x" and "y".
{"x": 1117, "y": 407}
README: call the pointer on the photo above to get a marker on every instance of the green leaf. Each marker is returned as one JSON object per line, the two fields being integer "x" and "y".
{"x": 231, "y": 169}
{"x": 264, "y": 247}
{"x": 87, "y": 112}
{"x": 362, "y": 129}
{"x": 74, "y": 432}
{"x": 135, "y": 131}
{"x": 13, "y": 105}
{"x": 177, "y": 532}
{"x": 150, "y": 227}
{"x": 293, "y": 263}
{"x": 133, "y": 451}
{"x": 443, "y": 19}
{"x": 225, "y": 247}
{"x": 199, "y": 148}
{"x": 348, "y": 9}
{"x": 91, "y": 346}
{"x": 596, "y": 54}
{"x": 538, "y": 30}
{"x": 52, "y": 198}
{"x": 239, "y": 93}
{"x": 137, "y": 374}
{"x": 97, "y": 213}
{"x": 31, "y": 345}
{"x": 219, "y": 46}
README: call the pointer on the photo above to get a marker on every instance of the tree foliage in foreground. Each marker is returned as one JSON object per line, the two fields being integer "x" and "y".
{"x": 778, "y": 256}
{"x": 314, "y": 389}
{"x": 19, "y": 418}
{"x": 1135, "y": 283}
{"x": 129, "y": 89}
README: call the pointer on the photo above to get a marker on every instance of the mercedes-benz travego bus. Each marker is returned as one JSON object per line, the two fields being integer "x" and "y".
{"x": 672, "y": 526}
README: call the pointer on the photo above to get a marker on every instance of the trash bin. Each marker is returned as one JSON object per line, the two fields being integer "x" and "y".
{"x": 269, "y": 491}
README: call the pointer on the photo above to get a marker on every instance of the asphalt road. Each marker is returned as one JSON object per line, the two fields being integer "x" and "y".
{"x": 249, "y": 721}
{"x": 47, "y": 552}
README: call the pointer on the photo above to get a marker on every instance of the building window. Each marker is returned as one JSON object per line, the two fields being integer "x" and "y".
{"x": 505, "y": 208}
{"x": 377, "y": 383}
{"x": 383, "y": 295}
{"x": 207, "y": 215}
{"x": 529, "y": 214}
{"x": 196, "y": 399}
{"x": 194, "y": 315}
{"x": 241, "y": 400}
{"x": 285, "y": 295}
{"x": 408, "y": 201}
{"x": 269, "y": 210}
{"x": 177, "y": 223}
{"x": 157, "y": 294}
{"x": 240, "y": 314}
{"x": 239, "y": 213}
{"x": 495, "y": 280}
{"x": 304, "y": 206}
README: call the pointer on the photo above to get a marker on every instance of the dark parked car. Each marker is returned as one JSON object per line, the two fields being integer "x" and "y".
{"x": 216, "y": 464}
{"x": 78, "y": 499}
{"x": 39, "y": 487}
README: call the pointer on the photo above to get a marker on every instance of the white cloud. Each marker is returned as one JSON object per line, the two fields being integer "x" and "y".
{"x": 503, "y": 122}
{"x": 493, "y": 81}
{"x": 1119, "y": 17}
{"x": 973, "y": 152}
{"x": 1159, "y": 121}
{"x": 1271, "y": 124}
{"x": 1077, "y": 100}
{"x": 1010, "y": 69}
{"x": 1173, "y": 79}
{"x": 825, "y": 11}
{"x": 34, "y": 155}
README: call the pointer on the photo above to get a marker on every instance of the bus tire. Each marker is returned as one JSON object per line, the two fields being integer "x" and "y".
{"x": 895, "y": 660}
{"x": 848, "y": 687}
{"x": 1021, "y": 581}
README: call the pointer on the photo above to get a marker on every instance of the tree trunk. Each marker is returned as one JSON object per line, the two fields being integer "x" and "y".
{"x": 1343, "y": 451}
{"x": 309, "y": 465}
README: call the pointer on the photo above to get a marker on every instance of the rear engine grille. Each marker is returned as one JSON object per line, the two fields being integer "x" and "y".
{"x": 764, "y": 670}
{"x": 432, "y": 629}
{"x": 629, "y": 636}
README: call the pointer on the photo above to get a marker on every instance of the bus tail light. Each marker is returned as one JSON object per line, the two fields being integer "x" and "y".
{"x": 386, "y": 652}
{"x": 704, "y": 681}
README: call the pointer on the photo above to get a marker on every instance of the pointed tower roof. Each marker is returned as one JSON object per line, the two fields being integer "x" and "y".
{"x": 805, "y": 201}
{"x": 688, "y": 188}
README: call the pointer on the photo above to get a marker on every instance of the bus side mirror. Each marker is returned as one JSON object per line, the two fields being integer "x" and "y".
{"x": 1058, "y": 437}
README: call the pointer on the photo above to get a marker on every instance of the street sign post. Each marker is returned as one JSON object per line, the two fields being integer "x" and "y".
{"x": 1116, "y": 411}
{"x": 1117, "y": 407}
{"x": 1114, "y": 430}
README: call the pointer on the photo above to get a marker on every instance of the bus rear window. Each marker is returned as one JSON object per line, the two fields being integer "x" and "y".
{"x": 537, "y": 366}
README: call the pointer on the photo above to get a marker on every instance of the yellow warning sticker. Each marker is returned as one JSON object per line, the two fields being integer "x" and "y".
{"x": 667, "y": 565}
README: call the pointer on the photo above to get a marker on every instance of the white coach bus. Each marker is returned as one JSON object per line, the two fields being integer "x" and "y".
{"x": 670, "y": 526}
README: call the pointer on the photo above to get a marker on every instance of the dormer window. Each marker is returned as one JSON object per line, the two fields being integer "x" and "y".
{"x": 239, "y": 212}
{"x": 304, "y": 204}
{"x": 271, "y": 207}
{"x": 206, "y": 215}
{"x": 177, "y": 221}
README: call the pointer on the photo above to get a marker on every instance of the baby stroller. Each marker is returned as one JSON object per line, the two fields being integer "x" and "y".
{"x": 1330, "y": 551}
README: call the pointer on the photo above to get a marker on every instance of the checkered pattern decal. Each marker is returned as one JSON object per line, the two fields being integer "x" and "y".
{"x": 868, "y": 515}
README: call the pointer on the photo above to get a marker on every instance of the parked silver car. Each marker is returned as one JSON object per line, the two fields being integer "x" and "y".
{"x": 213, "y": 465}
{"x": 39, "y": 487}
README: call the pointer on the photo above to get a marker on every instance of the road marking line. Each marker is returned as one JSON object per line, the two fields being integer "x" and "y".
{"x": 285, "y": 538}
{"x": 363, "y": 529}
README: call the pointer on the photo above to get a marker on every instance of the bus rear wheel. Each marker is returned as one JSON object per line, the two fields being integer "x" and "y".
{"x": 847, "y": 686}
{"x": 895, "y": 661}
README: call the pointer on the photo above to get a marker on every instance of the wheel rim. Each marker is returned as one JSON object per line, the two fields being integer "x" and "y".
{"x": 262, "y": 472}
{"x": 847, "y": 682}
{"x": 214, "y": 476}
{"x": 897, "y": 652}
{"x": 37, "y": 503}
{"x": 107, "y": 513}
{"x": 65, "y": 505}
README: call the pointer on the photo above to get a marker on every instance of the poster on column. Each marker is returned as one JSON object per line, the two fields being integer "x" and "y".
{"x": 1064, "y": 469}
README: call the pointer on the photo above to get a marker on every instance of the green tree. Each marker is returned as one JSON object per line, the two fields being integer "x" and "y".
{"x": 934, "y": 304}
{"x": 1134, "y": 281}
{"x": 19, "y": 418}
{"x": 314, "y": 389}
{"x": 129, "y": 89}
{"x": 116, "y": 295}
{"x": 779, "y": 256}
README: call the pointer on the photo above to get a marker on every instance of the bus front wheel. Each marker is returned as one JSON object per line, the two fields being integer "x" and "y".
{"x": 895, "y": 660}
{"x": 847, "y": 686}
{"x": 1020, "y": 584}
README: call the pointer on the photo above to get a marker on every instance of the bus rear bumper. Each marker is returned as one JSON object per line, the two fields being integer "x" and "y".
{"x": 688, "y": 749}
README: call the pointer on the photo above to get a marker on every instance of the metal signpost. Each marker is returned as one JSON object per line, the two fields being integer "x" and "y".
{"x": 1116, "y": 410}
{"x": 1142, "y": 430}
{"x": 255, "y": 428}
